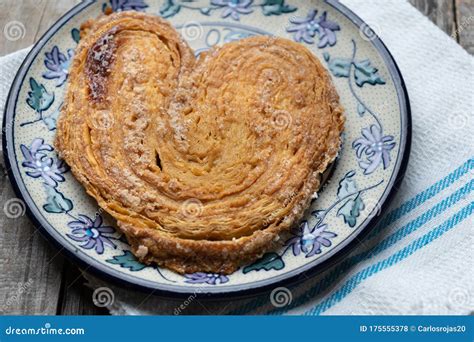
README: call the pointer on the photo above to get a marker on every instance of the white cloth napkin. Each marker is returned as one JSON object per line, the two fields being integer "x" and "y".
{"x": 420, "y": 258}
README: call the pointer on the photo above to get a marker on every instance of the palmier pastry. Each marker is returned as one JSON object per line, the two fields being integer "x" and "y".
{"x": 204, "y": 162}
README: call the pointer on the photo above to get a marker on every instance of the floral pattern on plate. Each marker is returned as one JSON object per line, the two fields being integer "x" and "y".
{"x": 305, "y": 28}
{"x": 369, "y": 158}
{"x": 232, "y": 9}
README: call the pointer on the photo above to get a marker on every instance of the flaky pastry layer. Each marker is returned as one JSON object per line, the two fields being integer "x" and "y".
{"x": 204, "y": 162}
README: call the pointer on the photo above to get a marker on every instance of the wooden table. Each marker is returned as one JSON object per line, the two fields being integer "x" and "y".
{"x": 34, "y": 277}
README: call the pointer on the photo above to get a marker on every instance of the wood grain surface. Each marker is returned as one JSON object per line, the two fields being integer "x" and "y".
{"x": 34, "y": 276}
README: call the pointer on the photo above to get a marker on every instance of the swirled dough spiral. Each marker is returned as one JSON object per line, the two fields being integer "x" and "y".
{"x": 204, "y": 162}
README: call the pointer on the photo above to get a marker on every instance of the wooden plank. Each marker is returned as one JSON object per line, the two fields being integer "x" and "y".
{"x": 24, "y": 21}
{"x": 440, "y": 12}
{"x": 31, "y": 268}
{"x": 53, "y": 11}
{"x": 20, "y": 21}
{"x": 76, "y": 296}
{"x": 465, "y": 24}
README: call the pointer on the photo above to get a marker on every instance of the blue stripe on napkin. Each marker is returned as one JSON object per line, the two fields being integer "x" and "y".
{"x": 402, "y": 254}
{"x": 385, "y": 222}
{"x": 388, "y": 242}
{"x": 422, "y": 197}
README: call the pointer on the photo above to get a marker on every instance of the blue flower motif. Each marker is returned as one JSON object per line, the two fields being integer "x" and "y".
{"x": 309, "y": 241}
{"x": 128, "y": 5}
{"x": 233, "y": 8}
{"x": 376, "y": 148}
{"x": 92, "y": 233}
{"x": 41, "y": 165}
{"x": 305, "y": 28}
{"x": 326, "y": 31}
{"x": 208, "y": 278}
{"x": 58, "y": 65}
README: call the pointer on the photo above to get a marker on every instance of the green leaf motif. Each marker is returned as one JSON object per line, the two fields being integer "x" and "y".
{"x": 354, "y": 204}
{"x": 56, "y": 203}
{"x": 38, "y": 98}
{"x": 76, "y": 35}
{"x": 169, "y": 9}
{"x": 360, "y": 109}
{"x": 350, "y": 211}
{"x": 269, "y": 261}
{"x": 205, "y": 10}
{"x": 365, "y": 73}
{"x": 50, "y": 120}
{"x": 340, "y": 67}
{"x": 347, "y": 185}
{"x": 127, "y": 260}
{"x": 276, "y": 7}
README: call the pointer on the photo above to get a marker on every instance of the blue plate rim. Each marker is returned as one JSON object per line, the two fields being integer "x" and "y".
{"x": 289, "y": 278}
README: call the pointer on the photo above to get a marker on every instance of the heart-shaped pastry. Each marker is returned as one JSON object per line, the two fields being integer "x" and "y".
{"x": 206, "y": 162}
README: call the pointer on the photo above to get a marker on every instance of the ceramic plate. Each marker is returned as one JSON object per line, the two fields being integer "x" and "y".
{"x": 372, "y": 159}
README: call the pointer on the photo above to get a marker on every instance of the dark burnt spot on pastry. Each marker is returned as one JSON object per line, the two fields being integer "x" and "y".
{"x": 98, "y": 63}
{"x": 158, "y": 160}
